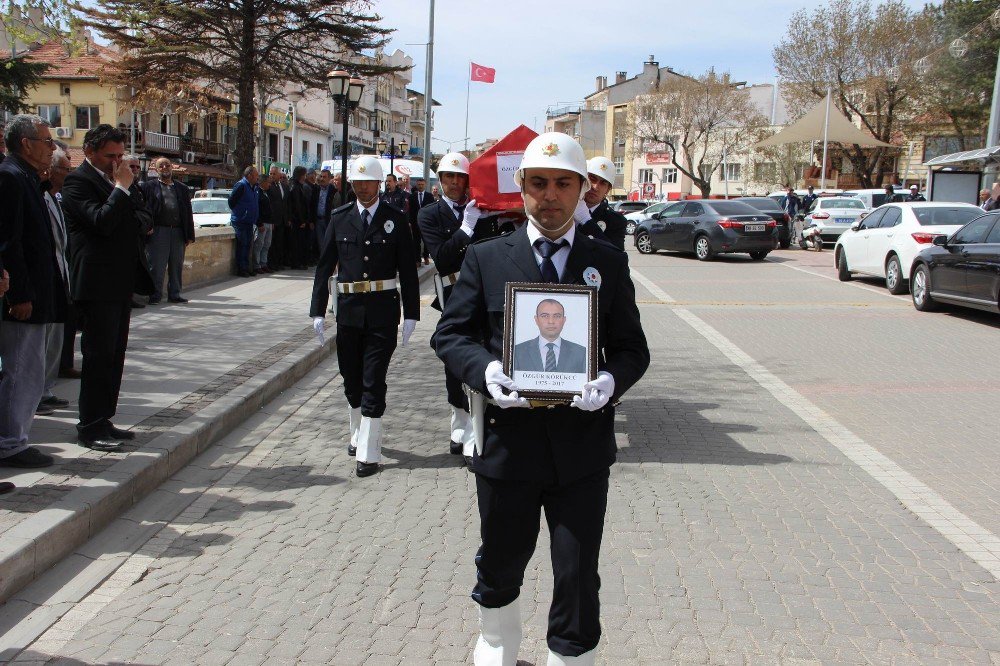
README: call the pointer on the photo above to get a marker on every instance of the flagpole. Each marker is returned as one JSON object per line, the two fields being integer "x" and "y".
{"x": 826, "y": 130}
{"x": 468, "y": 87}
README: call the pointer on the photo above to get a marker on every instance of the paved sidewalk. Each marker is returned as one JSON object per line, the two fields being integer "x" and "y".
{"x": 193, "y": 372}
{"x": 735, "y": 534}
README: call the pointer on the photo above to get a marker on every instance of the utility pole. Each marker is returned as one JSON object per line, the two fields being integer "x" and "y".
{"x": 428, "y": 98}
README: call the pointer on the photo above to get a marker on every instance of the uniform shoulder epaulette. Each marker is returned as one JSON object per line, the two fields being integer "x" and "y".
{"x": 341, "y": 209}
{"x": 601, "y": 241}
{"x": 487, "y": 240}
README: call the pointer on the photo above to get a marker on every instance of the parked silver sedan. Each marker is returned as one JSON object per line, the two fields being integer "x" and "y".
{"x": 834, "y": 216}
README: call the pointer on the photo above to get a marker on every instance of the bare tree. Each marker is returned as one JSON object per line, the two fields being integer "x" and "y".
{"x": 236, "y": 45}
{"x": 864, "y": 55}
{"x": 697, "y": 121}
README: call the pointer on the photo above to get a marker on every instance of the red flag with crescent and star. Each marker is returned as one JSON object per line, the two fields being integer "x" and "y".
{"x": 483, "y": 74}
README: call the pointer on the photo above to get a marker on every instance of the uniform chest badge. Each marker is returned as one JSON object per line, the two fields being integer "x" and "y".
{"x": 592, "y": 277}
{"x": 602, "y": 225}
{"x": 389, "y": 226}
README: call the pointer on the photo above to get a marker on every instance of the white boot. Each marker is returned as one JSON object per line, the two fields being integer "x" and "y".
{"x": 459, "y": 424}
{"x": 355, "y": 425}
{"x": 499, "y": 636}
{"x": 585, "y": 659}
{"x": 370, "y": 440}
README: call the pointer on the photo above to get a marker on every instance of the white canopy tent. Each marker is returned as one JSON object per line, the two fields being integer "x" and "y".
{"x": 823, "y": 123}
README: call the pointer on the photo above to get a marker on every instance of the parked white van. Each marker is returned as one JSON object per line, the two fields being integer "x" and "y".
{"x": 875, "y": 197}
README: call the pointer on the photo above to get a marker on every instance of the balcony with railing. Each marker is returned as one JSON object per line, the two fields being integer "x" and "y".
{"x": 175, "y": 145}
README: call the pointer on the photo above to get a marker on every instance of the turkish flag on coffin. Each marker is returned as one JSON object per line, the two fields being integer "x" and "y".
{"x": 491, "y": 175}
{"x": 484, "y": 74}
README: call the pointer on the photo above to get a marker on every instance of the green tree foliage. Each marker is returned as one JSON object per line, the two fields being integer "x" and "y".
{"x": 17, "y": 77}
{"x": 239, "y": 47}
{"x": 958, "y": 93}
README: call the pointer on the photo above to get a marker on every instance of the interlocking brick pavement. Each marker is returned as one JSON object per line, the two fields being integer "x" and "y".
{"x": 735, "y": 534}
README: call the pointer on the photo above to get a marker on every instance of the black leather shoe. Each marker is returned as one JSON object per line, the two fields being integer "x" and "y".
{"x": 455, "y": 448}
{"x": 136, "y": 305}
{"x": 6, "y": 487}
{"x": 118, "y": 433}
{"x": 154, "y": 301}
{"x": 468, "y": 462}
{"x": 30, "y": 458}
{"x": 366, "y": 469}
{"x": 352, "y": 450}
{"x": 179, "y": 299}
{"x": 101, "y": 444}
{"x": 55, "y": 401}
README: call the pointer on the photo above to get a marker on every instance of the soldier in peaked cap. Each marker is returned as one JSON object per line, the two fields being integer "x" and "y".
{"x": 554, "y": 459}
{"x": 448, "y": 227}
{"x": 593, "y": 215}
{"x": 368, "y": 242}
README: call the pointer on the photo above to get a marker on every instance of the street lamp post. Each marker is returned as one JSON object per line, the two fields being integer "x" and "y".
{"x": 346, "y": 91}
{"x": 295, "y": 96}
{"x": 403, "y": 147}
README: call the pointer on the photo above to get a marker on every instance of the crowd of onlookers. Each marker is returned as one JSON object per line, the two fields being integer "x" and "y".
{"x": 281, "y": 222}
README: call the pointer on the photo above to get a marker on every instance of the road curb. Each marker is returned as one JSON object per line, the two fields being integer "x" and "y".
{"x": 37, "y": 543}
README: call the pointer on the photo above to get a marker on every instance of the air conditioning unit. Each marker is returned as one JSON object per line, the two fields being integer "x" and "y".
{"x": 64, "y": 132}
{"x": 189, "y": 156}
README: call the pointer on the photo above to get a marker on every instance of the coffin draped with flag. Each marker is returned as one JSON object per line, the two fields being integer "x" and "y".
{"x": 491, "y": 175}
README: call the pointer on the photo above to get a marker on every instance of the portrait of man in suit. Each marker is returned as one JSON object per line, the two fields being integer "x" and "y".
{"x": 549, "y": 351}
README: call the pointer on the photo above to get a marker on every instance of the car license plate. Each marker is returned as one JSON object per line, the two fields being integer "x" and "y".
{"x": 754, "y": 227}
{"x": 844, "y": 220}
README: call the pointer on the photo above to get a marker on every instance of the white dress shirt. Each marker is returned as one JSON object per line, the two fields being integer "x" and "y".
{"x": 371, "y": 211}
{"x": 543, "y": 348}
{"x": 562, "y": 254}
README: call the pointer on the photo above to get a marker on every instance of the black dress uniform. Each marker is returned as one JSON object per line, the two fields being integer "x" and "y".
{"x": 441, "y": 229}
{"x": 614, "y": 225}
{"x": 367, "y": 322}
{"x": 557, "y": 458}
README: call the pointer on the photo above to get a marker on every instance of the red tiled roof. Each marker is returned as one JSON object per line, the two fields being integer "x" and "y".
{"x": 83, "y": 65}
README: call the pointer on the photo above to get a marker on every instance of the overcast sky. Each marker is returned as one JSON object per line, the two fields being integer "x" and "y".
{"x": 550, "y": 53}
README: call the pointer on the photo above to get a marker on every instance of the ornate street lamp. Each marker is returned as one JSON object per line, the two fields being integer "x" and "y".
{"x": 381, "y": 147}
{"x": 346, "y": 91}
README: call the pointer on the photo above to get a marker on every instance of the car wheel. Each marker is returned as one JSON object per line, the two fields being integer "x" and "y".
{"x": 703, "y": 248}
{"x": 785, "y": 244}
{"x": 894, "y": 281}
{"x": 758, "y": 255}
{"x": 842, "y": 273}
{"x": 921, "y": 289}
{"x": 630, "y": 227}
{"x": 644, "y": 244}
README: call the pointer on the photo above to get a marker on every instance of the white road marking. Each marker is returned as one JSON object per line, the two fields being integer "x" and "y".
{"x": 965, "y": 534}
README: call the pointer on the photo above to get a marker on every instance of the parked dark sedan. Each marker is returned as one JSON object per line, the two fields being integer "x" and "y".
{"x": 708, "y": 227}
{"x": 961, "y": 269}
{"x": 771, "y": 207}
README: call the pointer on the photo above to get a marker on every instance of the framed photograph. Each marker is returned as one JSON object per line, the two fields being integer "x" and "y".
{"x": 550, "y": 339}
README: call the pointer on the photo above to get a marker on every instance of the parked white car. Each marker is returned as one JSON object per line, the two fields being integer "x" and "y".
{"x": 632, "y": 219}
{"x": 885, "y": 243}
{"x": 210, "y": 212}
{"x": 209, "y": 194}
{"x": 834, "y": 216}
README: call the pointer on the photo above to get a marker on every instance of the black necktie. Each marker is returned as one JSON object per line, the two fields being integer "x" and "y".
{"x": 460, "y": 210}
{"x": 547, "y": 249}
{"x": 365, "y": 215}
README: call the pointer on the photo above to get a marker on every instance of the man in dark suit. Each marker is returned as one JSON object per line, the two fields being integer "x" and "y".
{"x": 277, "y": 196}
{"x": 418, "y": 199}
{"x": 448, "y": 227}
{"x": 559, "y": 355}
{"x": 324, "y": 200}
{"x": 343, "y": 197}
{"x": 102, "y": 205}
{"x": 36, "y": 295}
{"x": 303, "y": 217}
{"x": 393, "y": 195}
{"x": 169, "y": 202}
{"x": 593, "y": 215}
{"x": 369, "y": 244}
{"x": 554, "y": 459}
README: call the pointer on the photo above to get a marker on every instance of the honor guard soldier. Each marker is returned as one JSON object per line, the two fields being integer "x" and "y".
{"x": 448, "y": 226}
{"x": 368, "y": 242}
{"x": 593, "y": 215}
{"x": 555, "y": 458}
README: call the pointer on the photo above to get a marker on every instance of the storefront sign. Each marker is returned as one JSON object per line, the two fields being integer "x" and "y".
{"x": 659, "y": 158}
{"x": 281, "y": 120}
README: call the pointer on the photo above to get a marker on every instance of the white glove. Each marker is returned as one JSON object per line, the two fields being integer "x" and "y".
{"x": 408, "y": 326}
{"x": 318, "y": 327}
{"x": 582, "y": 213}
{"x": 472, "y": 215}
{"x": 595, "y": 394}
{"x": 497, "y": 380}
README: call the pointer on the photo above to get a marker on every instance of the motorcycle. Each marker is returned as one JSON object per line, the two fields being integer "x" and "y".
{"x": 811, "y": 239}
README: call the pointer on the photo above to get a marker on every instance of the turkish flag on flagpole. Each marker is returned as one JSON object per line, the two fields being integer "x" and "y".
{"x": 483, "y": 74}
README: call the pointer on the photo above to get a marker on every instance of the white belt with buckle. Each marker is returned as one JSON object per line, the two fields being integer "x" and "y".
{"x": 365, "y": 287}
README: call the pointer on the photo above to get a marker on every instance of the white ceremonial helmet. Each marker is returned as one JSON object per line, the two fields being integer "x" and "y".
{"x": 454, "y": 163}
{"x": 554, "y": 150}
{"x": 603, "y": 168}
{"x": 366, "y": 167}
